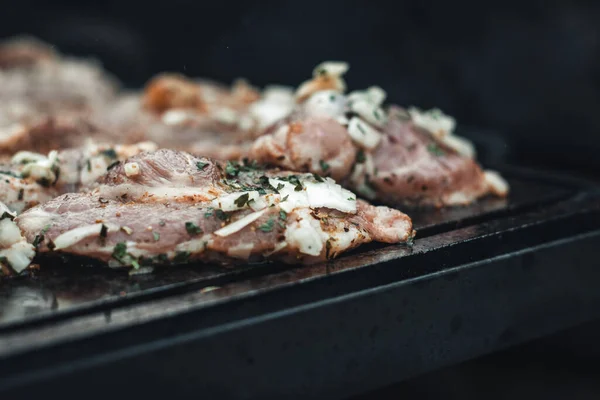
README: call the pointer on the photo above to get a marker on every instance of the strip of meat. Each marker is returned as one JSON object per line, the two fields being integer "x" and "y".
{"x": 394, "y": 156}
{"x": 31, "y": 178}
{"x": 172, "y": 207}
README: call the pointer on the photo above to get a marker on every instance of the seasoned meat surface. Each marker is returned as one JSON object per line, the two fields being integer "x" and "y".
{"x": 391, "y": 155}
{"x": 170, "y": 207}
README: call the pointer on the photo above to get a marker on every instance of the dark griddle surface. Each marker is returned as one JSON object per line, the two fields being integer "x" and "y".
{"x": 476, "y": 280}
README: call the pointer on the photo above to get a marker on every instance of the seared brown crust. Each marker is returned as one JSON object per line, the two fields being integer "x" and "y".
{"x": 168, "y": 90}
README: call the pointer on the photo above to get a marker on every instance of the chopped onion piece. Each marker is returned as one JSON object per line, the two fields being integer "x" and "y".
{"x": 435, "y": 121}
{"x": 240, "y": 224}
{"x": 227, "y": 202}
{"x": 19, "y": 255}
{"x": 461, "y": 145}
{"x": 332, "y": 68}
{"x": 226, "y": 116}
{"x": 132, "y": 169}
{"x": 69, "y": 238}
{"x": 314, "y": 195}
{"x": 370, "y": 112}
{"x": 363, "y": 134}
{"x": 374, "y": 95}
{"x": 24, "y": 157}
{"x": 242, "y": 250}
{"x": 326, "y": 103}
{"x": 9, "y": 233}
{"x": 175, "y": 117}
{"x": 306, "y": 237}
{"x": 496, "y": 183}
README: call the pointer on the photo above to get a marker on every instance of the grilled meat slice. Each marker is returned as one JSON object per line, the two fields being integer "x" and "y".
{"x": 394, "y": 156}
{"x": 198, "y": 116}
{"x": 171, "y": 207}
{"x": 44, "y": 81}
{"x": 31, "y": 178}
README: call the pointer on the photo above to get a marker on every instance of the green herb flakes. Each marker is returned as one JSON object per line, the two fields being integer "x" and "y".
{"x": 282, "y": 215}
{"x": 8, "y": 215}
{"x": 267, "y": 226}
{"x": 324, "y": 165}
{"x": 201, "y": 165}
{"x": 318, "y": 178}
{"x": 360, "y": 157}
{"x": 232, "y": 169}
{"x": 120, "y": 251}
{"x": 37, "y": 240}
{"x": 242, "y": 200}
{"x": 221, "y": 215}
{"x": 156, "y": 236}
{"x": 192, "y": 228}
{"x": 110, "y": 153}
{"x": 434, "y": 149}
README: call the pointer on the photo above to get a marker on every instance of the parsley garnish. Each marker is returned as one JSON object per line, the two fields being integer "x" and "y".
{"x": 8, "y": 215}
{"x": 21, "y": 194}
{"x": 192, "y": 228}
{"x": 45, "y": 182}
{"x": 10, "y": 173}
{"x": 161, "y": 222}
{"x": 376, "y": 114}
{"x": 208, "y": 213}
{"x": 37, "y": 240}
{"x": 324, "y": 165}
{"x": 267, "y": 226}
{"x": 103, "y": 231}
{"x": 351, "y": 198}
{"x": 156, "y": 236}
{"x": 435, "y": 149}
{"x": 88, "y": 163}
{"x": 231, "y": 169}
{"x": 248, "y": 165}
{"x": 293, "y": 179}
{"x": 332, "y": 98}
{"x": 285, "y": 198}
{"x": 111, "y": 166}
{"x": 280, "y": 186}
{"x": 242, "y": 200}
{"x": 120, "y": 251}
{"x": 221, "y": 215}
{"x": 135, "y": 264}
{"x": 201, "y": 165}
{"x": 317, "y": 178}
{"x": 110, "y": 153}
{"x": 282, "y": 215}
{"x": 360, "y": 157}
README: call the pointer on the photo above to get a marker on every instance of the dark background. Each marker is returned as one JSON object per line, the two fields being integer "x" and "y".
{"x": 527, "y": 69}
{"x": 528, "y": 72}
